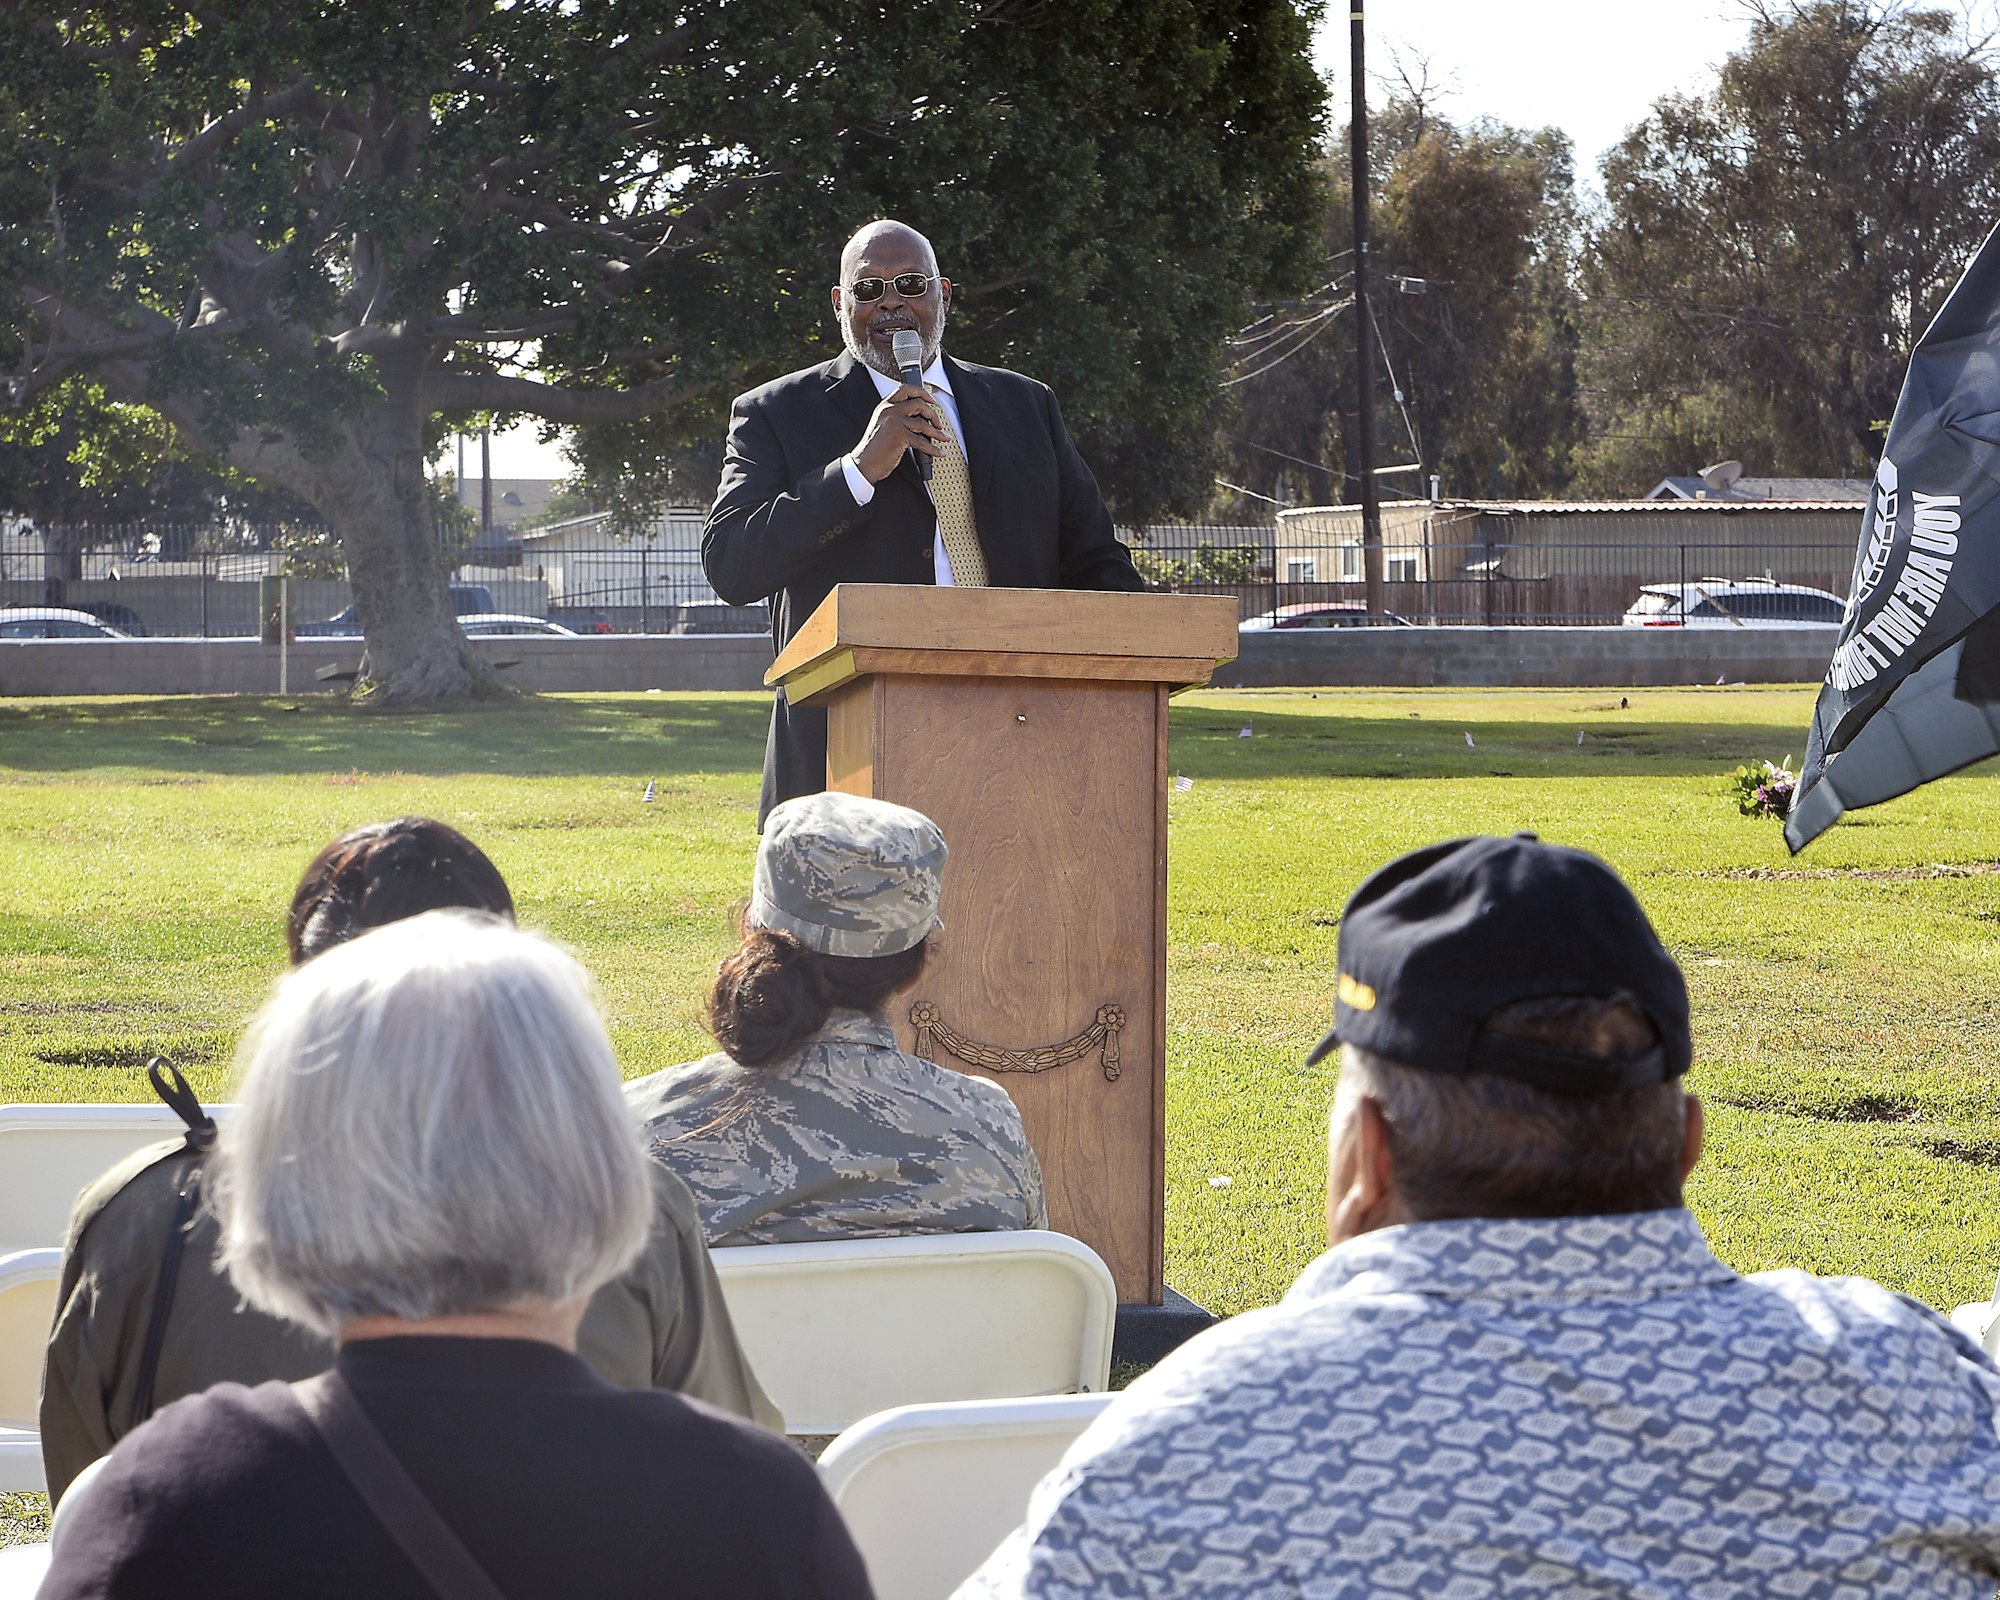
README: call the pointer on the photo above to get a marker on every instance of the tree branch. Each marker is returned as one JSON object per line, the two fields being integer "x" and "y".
{"x": 463, "y": 392}
{"x": 200, "y": 146}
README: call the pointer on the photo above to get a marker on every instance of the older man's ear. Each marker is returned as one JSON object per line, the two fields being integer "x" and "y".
{"x": 1691, "y": 1138}
{"x": 1360, "y": 1170}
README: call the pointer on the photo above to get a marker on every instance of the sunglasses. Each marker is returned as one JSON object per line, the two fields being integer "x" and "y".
{"x": 908, "y": 286}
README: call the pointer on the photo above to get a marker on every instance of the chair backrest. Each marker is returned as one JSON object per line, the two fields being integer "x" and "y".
{"x": 28, "y": 1280}
{"x": 50, "y": 1154}
{"x": 22, "y": 1568}
{"x": 928, "y": 1491}
{"x": 839, "y": 1330}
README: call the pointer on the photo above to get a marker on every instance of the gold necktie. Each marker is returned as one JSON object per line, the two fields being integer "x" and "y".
{"x": 951, "y": 493}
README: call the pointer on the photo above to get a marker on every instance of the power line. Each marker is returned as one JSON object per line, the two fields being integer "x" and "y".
{"x": 1325, "y": 322}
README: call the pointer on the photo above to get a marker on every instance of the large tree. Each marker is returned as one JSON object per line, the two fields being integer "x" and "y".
{"x": 312, "y": 238}
{"x": 1479, "y": 222}
{"x": 1770, "y": 249}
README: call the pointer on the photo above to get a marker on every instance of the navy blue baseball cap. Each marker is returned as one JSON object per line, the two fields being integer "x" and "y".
{"x": 1438, "y": 940}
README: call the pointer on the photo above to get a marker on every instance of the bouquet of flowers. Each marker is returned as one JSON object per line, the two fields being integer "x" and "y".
{"x": 1762, "y": 789}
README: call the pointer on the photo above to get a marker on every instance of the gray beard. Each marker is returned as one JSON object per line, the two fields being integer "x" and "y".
{"x": 871, "y": 358}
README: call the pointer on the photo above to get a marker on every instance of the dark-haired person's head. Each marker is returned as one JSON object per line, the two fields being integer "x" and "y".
{"x": 385, "y": 872}
{"x": 840, "y": 917}
{"x": 1513, "y": 1038}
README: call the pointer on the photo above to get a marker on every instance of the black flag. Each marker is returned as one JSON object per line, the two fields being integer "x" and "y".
{"x": 1914, "y": 688}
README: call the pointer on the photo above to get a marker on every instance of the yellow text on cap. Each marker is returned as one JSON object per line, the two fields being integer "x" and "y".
{"x": 1356, "y": 994}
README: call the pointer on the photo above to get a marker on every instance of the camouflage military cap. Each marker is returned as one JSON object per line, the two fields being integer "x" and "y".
{"x": 848, "y": 876}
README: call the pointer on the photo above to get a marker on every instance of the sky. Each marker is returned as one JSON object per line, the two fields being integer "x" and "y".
{"x": 1589, "y": 67}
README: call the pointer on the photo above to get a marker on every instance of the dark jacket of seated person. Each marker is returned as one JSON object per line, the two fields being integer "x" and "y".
{"x": 811, "y": 1124}
{"x": 431, "y": 1165}
{"x": 559, "y": 1483}
{"x": 661, "y": 1323}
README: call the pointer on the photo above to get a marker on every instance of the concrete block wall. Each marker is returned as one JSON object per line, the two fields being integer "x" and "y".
{"x": 246, "y": 666}
{"x": 1496, "y": 658}
{"x": 1361, "y": 657}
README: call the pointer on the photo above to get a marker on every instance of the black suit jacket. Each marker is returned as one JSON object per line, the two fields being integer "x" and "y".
{"x": 785, "y": 526}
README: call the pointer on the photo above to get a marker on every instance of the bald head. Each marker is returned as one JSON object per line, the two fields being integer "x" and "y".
{"x": 888, "y": 231}
{"x": 901, "y": 289}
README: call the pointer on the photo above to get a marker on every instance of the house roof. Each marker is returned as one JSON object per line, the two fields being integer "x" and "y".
{"x": 1573, "y": 508}
{"x": 1840, "y": 491}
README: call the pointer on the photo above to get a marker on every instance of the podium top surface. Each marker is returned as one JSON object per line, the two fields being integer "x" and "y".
{"x": 1086, "y": 633}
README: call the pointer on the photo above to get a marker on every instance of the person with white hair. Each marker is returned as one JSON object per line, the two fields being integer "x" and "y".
{"x": 144, "y": 1314}
{"x": 432, "y": 1166}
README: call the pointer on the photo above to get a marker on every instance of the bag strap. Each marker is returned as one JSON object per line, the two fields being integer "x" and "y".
{"x": 390, "y": 1492}
{"x": 172, "y": 1088}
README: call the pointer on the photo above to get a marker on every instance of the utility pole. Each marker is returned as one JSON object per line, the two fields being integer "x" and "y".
{"x": 486, "y": 479}
{"x": 1364, "y": 330}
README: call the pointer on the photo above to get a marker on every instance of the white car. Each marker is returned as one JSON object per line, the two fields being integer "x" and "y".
{"x": 53, "y": 622}
{"x": 487, "y": 624}
{"x": 1321, "y": 614}
{"x": 1734, "y": 603}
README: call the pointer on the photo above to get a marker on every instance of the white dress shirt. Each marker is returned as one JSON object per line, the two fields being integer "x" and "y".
{"x": 864, "y": 491}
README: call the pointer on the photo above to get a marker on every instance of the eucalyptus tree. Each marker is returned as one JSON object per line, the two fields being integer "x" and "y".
{"x": 1770, "y": 249}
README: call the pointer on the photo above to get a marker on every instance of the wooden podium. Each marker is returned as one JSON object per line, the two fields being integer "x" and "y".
{"x": 1031, "y": 724}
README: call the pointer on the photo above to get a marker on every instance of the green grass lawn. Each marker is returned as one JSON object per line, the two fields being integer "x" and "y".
{"x": 1844, "y": 1004}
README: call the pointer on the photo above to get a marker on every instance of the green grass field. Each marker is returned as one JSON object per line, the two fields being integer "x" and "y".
{"x": 1844, "y": 1003}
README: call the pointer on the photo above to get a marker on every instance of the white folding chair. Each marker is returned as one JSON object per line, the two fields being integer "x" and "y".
{"x": 50, "y": 1154}
{"x": 22, "y": 1568}
{"x": 28, "y": 1281}
{"x": 1980, "y": 1321}
{"x": 839, "y": 1330}
{"x": 928, "y": 1491}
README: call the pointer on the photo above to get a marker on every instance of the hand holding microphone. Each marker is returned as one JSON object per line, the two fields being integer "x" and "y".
{"x": 908, "y": 348}
{"x": 907, "y": 422}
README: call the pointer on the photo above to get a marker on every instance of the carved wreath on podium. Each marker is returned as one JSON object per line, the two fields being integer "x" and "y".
{"x": 1101, "y": 1035}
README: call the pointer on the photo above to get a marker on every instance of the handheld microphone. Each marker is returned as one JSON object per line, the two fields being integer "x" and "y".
{"x": 908, "y": 349}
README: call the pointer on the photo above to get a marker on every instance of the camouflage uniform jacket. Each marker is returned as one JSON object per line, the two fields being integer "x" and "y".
{"x": 847, "y": 1138}
{"x": 663, "y": 1324}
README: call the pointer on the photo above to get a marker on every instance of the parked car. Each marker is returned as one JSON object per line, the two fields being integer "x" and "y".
{"x": 488, "y": 624}
{"x": 467, "y": 599}
{"x": 1322, "y": 614}
{"x": 123, "y": 618}
{"x": 1734, "y": 603}
{"x": 53, "y": 622}
{"x": 711, "y": 616}
{"x": 585, "y": 621}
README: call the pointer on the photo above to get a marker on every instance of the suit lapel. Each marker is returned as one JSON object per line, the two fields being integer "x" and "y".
{"x": 853, "y": 391}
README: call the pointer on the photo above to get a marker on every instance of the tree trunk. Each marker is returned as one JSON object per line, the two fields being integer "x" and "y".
{"x": 376, "y": 495}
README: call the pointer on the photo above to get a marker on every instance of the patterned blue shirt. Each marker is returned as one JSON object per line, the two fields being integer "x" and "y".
{"x": 1553, "y": 1407}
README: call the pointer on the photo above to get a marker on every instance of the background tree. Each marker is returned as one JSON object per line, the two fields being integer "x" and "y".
{"x": 1482, "y": 217}
{"x": 312, "y": 242}
{"x": 84, "y": 468}
{"x": 1769, "y": 251}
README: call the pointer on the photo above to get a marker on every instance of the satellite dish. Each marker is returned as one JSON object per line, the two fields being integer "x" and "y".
{"x": 1720, "y": 477}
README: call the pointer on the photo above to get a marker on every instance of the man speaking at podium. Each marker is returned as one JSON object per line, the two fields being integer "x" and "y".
{"x": 848, "y": 473}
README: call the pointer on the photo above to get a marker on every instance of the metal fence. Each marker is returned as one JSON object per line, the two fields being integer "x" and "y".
{"x": 1492, "y": 582}
{"x": 180, "y": 582}
{"x": 173, "y": 582}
